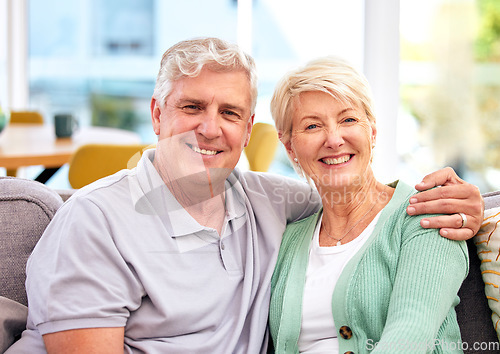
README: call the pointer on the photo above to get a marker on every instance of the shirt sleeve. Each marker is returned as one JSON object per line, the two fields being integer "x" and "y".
{"x": 429, "y": 274}
{"x": 76, "y": 276}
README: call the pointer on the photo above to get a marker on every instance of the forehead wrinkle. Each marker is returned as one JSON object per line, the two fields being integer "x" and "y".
{"x": 186, "y": 98}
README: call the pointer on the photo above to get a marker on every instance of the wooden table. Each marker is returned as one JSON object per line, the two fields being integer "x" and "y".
{"x": 34, "y": 144}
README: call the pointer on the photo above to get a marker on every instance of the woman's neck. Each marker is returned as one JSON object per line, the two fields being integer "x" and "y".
{"x": 348, "y": 211}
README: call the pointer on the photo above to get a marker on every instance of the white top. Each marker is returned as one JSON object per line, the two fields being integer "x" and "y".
{"x": 122, "y": 252}
{"x": 318, "y": 333}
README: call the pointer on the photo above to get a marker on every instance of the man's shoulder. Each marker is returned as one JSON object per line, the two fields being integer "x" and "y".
{"x": 291, "y": 199}
{"x": 251, "y": 180}
{"x": 107, "y": 189}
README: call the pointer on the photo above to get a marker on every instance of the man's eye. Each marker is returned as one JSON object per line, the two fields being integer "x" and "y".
{"x": 190, "y": 107}
{"x": 229, "y": 113}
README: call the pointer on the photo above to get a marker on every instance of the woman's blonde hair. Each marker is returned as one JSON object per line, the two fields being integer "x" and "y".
{"x": 187, "y": 59}
{"x": 328, "y": 74}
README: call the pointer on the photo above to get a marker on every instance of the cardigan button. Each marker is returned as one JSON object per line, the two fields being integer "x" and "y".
{"x": 345, "y": 332}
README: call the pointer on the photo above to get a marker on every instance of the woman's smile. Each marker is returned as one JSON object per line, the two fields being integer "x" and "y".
{"x": 336, "y": 160}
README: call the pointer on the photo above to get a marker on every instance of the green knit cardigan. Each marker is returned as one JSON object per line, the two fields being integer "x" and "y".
{"x": 396, "y": 295}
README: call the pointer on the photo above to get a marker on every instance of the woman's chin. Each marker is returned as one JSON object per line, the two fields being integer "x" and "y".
{"x": 337, "y": 181}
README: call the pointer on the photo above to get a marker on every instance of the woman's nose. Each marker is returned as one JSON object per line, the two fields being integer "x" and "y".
{"x": 333, "y": 137}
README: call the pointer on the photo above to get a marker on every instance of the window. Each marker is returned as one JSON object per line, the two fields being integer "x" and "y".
{"x": 450, "y": 82}
{"x": 99, "y": 59}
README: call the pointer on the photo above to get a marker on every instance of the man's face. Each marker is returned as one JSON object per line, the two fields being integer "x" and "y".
{"x": 204, "y": 125}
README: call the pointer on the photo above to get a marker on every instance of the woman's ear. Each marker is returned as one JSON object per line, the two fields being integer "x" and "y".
{"x": 289, "y": 150}
{"x": 287, "y": 143}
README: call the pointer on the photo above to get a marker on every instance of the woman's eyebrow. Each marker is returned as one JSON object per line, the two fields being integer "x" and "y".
{"x": 345, "y": 110}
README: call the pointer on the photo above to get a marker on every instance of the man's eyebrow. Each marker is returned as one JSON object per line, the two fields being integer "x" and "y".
{"x": 184, "y": 100}
{"x": 233, "y": 107}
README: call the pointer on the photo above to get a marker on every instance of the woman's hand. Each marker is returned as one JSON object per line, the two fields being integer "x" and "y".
{"x": 453, "y": 196}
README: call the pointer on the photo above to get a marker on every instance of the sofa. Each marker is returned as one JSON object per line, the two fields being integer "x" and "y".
{"x": 26, "y": 208}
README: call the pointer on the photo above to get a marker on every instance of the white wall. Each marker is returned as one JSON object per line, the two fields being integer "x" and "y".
{"x": 381, "y": 67}
{"x": 16, "y": 53}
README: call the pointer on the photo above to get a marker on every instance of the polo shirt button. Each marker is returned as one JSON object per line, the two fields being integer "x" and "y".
{"x": 345, "y": 332}
{"x": 222, "y": 246}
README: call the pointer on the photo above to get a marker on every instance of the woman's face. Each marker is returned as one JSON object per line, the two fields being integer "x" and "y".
{"x": 331, "y": 140}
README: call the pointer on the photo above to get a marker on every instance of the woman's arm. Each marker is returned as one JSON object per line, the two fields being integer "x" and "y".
{"x": 429, "y": 274}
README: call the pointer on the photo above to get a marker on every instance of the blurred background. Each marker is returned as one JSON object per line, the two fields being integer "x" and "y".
{"x": 434, "y": 66}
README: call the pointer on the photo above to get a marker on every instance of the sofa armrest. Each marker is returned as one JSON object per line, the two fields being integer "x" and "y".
{"x": 26, "y": 208}
{"x": 65, "y": 193}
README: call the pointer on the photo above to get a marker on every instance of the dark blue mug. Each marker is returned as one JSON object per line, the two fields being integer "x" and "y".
{"x": 65, "y": 125}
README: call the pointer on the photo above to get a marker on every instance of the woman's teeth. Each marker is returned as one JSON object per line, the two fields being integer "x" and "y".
{"x": 336, "y": 161}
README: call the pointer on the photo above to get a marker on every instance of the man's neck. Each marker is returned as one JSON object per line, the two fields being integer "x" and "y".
{"x": 210, "y": 213}
{"x": 201, "y": 194}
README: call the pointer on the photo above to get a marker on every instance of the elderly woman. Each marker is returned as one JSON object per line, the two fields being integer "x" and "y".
{"x": 361, "y": 274}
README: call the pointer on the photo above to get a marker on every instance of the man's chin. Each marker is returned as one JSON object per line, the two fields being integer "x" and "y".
{"x": 219, "y": 174}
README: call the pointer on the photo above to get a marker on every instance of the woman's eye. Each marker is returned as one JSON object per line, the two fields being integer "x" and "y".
{"x": 350, "y": 120}
{"x": 311, "y": 126}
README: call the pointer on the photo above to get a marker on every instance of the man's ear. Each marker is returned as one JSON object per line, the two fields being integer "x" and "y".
{"x": 249, "y": 130}
{"x": 374, "y": 135}
{"x": 155, "y": 115}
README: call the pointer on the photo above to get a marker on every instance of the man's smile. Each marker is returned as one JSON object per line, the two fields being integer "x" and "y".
{"x": 202, "y": 151}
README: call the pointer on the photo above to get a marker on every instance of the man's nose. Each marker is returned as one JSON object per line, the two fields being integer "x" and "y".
{"x": 210, "y": 124}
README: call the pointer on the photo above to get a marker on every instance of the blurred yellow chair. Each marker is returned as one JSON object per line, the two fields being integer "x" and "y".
{"x": 32, "y": 117}
{"x": 261, "y": 147}
{"x": 26, "y": 117}
{"x": 93, "y": 161}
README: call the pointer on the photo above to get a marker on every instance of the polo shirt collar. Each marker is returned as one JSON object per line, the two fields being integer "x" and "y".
{"x": 235, "y": 198}
{"x": 153, "y": 197}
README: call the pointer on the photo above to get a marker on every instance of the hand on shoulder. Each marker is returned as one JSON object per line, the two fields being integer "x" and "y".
{"x": 451, "y": 197}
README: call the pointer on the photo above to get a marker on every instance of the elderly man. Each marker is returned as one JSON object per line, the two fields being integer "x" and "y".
{"x": 176, "y": 255}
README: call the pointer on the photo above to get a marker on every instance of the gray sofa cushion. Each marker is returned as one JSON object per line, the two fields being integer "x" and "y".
{"x": 12, "y": 322}
{"x": 26, "y": 208}
{"x": 473, "y": 312}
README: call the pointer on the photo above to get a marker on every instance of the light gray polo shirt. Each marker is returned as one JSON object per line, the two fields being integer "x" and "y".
{"x": 123, "y": 252}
